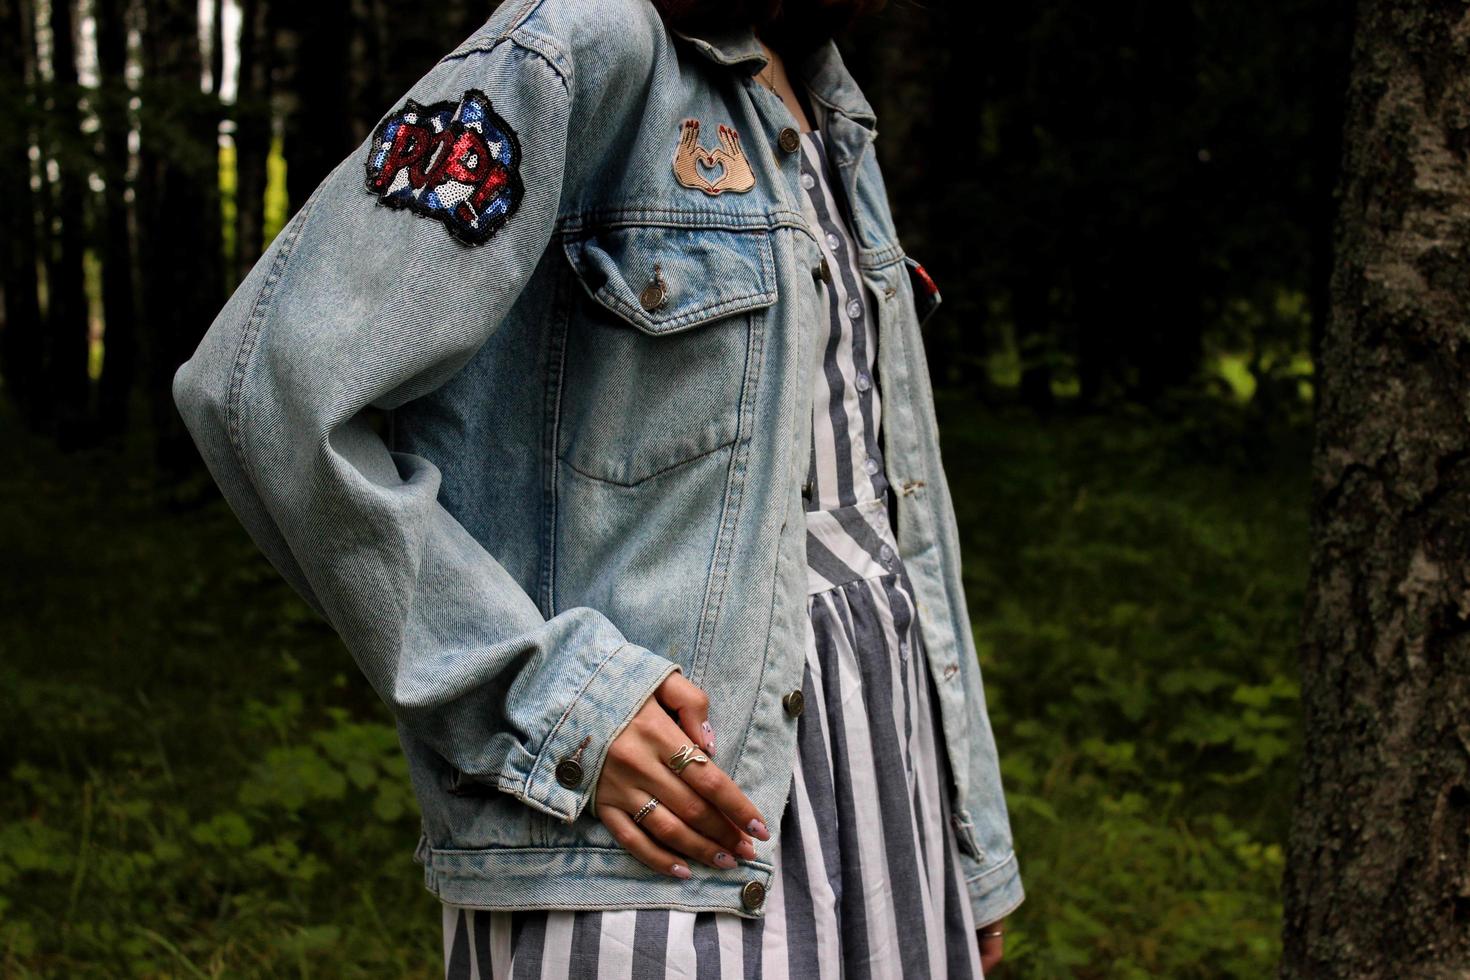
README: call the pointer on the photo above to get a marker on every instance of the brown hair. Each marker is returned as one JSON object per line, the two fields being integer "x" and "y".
{"x": 792, "y": 24}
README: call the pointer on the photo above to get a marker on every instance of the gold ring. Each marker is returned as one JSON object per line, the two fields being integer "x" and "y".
{"x": 684, "y": 756}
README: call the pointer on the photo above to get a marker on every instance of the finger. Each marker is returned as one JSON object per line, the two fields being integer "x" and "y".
{"x": 687, "y": 700}
{"x": 638, "y": 759}
{"x": 640, "y": 845}
{"x": 683, "y": 802}
{"x": 713, "y": 786}
{"x": 662, "y": 824}
{"x": 991, "y": 954}
{"x": 992, "y": 949}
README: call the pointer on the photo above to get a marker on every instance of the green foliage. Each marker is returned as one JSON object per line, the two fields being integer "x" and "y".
{"x": 193, "y": 787}
{"x": 1135, "y": 596}
{"x": 197, "y": 782}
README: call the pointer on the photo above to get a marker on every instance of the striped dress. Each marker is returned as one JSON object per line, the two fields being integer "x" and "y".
{"x": 867, "y": 883}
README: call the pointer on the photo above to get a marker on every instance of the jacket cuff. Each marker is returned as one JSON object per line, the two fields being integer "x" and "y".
{"x": 995, "y": 891}
{"x": 562, "y": 778}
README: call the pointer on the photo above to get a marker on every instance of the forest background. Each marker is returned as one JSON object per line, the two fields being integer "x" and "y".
{"x": 1128, "y": 209}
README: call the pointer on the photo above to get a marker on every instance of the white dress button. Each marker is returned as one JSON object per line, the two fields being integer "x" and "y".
{"x": 862, "y": 382}
{"x": 854, "y": 309}
{"x": 886, "y": 554}
{"x": 808, "y": 181}
{"x": 833, "y": 241}
{"x": 870, "y": 465}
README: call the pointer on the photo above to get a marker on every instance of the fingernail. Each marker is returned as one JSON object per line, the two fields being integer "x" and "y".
{"x": 745, "y": 849}
{"x": 724, "y": 860}
{"x": 758, "y": 829}
{"x": 709, "y": 736}
{"x": 679, "y": 871}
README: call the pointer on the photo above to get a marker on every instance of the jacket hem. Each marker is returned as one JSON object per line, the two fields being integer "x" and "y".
{"x": 581, "y": 878}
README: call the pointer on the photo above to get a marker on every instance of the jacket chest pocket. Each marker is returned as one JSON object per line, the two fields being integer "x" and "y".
{"x": 657, "y": 345}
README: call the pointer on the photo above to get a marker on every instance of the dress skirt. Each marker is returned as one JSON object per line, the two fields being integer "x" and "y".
{"x": 867, "y": 882}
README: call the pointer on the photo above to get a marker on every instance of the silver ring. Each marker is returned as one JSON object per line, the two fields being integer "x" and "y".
{"x": 645, "y": 809}
{"x": 992, "y": 935}
{"x": 685, "y": 755}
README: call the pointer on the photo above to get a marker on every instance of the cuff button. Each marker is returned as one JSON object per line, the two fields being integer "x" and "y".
{"x": 569, "y": 768}
{"x": 753, "y": 895}
{"x": 569, "y": 773}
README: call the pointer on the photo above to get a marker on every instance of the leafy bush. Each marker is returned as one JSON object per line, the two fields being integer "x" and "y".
{"x": 194, "y": 785}
{"x": 1134, "y": 594}
{"x": 198, "y": 783}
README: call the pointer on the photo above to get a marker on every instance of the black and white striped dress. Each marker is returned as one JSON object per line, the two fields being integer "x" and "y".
{"x": 867, "y": 882}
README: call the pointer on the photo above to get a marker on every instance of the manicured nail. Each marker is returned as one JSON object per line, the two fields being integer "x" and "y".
{"x": 745, "y": 849}
{"x": 724, "y": 860}
{"x": 758, "y": 829}
{"x": 678, "y": 871}
{"x": 709, "y": 736}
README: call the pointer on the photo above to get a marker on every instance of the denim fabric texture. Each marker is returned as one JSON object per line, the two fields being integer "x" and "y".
{"x": 578, "y": 494}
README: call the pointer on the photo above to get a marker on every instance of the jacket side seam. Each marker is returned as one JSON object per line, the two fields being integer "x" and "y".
{"x": 734, "y": 490}
{"x": 556, "y": 360}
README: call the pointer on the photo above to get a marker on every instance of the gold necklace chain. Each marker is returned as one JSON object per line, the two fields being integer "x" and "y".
{"x": 770, "y": 64}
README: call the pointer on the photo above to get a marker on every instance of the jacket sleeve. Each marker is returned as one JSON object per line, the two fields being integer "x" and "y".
{"x": 358, "y": 305}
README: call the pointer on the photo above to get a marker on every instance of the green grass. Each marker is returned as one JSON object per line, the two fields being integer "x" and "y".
{"x": 1135, "y": 588}
{"x": 198, "y": 783}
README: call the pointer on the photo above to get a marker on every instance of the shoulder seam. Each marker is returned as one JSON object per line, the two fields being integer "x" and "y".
{"x": 547, "y": 48}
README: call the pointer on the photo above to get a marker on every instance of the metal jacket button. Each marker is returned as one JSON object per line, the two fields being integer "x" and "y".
{"x": 753, "y": 894}
{"x": 652, "y": 296}
{"x": 793, "y": 702}
{"x": 569, "y": 769}
{"x": 569, "y": 773}
{"x": 789, "y": 139}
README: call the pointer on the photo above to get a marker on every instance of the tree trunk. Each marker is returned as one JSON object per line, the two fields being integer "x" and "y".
{"x": 179, "y": 243}
{"x": 1378, "y": 876}
{"x": 318, "y": 128}
{"x": 119, "y": 310}
{"x": 21, "y": 335}
{"x": 66, "y": 295}
{"x": 252, "y": 134}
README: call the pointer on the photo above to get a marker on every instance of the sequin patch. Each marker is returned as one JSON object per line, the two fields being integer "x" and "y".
{"x": 456, "y": 162}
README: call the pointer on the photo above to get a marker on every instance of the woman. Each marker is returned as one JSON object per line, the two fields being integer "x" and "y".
{"x": 636, "y": 567}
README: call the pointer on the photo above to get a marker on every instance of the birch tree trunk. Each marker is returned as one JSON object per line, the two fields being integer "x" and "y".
{"x": 119, "y": 296}
{"x": 1378, "y": 876}
{"x": 66, "y": 294}
{"x": 21, "y": 340}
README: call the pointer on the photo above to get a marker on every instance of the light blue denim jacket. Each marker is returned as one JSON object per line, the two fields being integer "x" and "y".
{"x": 584, "y": 484}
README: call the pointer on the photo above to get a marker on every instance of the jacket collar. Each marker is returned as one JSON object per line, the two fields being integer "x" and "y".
{"x": 826, "y": 76}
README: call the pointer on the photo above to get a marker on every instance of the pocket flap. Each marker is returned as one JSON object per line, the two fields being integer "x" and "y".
{"x": 705, "y": 273}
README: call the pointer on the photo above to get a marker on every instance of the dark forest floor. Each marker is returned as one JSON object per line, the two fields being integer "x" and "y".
{"x": 197, "y": 782}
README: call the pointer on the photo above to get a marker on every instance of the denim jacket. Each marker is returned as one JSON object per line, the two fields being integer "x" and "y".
{"x": 589, "y": 326}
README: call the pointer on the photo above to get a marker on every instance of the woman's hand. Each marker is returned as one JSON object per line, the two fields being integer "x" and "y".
{"x": 701, "y": 813}
{"x": 992, "y": 944}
